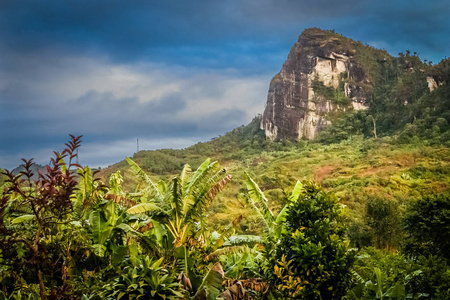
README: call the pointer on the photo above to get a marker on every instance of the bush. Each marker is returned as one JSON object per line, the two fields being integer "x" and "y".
{"x": 427, "y": 222}
{"x": 312, "y": 259}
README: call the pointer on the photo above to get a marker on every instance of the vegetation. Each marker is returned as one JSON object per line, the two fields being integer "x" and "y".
{"x": 373, "y": 224}
{"x": 68, "y": 235}
{"x": 312, "y": 260}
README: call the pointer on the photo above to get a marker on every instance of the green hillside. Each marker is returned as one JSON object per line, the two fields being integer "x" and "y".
{"x": 409, "y": 158}
{"x": 356, "y": 169}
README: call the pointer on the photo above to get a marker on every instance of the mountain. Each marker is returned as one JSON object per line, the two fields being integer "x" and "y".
{"x": 361, "y": 91}
{"x": 327, "y": 74}
{"x": 381, "y": 129}
{"x": 321, "y": 75}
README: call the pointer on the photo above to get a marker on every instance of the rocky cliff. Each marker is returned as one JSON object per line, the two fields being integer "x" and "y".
{"x": 320, "y": 76}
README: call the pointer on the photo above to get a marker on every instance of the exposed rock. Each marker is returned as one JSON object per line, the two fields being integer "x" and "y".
{"x": 431, "y": 83}
{"x": 320, "y": 75}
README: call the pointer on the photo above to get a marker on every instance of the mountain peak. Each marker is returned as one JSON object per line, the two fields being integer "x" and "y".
{"x": 321, "y": 75}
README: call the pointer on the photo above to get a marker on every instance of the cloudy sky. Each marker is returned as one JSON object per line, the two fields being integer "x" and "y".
{"x": 169, "y": 73}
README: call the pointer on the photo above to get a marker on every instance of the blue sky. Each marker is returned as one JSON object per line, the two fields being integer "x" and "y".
{"x": 169, "y": 73}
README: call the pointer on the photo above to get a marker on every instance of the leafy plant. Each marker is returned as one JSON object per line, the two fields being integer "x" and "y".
{"x": 312, "y": 259}
{"x": 145, "y": 280}
{"x": 31, "y": 215}
{"x": 427, "y": 222}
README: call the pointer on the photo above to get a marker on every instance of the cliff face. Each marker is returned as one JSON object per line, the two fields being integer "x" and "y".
{"x": 321, "y": 75}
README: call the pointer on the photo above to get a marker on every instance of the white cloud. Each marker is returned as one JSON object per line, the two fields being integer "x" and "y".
{"x": 167, "y": 105}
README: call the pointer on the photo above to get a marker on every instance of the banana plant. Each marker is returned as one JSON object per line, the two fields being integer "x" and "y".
{"x": 377, "y": 287}
{"x": 112, "y": 232}
{"x": 182, "y": 203}
{"x": 89, "y": 191}
{"x": 273, "y": 225}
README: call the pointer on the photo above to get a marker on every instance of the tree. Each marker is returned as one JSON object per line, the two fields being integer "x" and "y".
{"x": 312, "y": 259}
{"x": 384, "y": 219}
{"x": 307, "y": 253}
{"x": 178, "y": 211}
{"x": 181, "y": 203}
{"x": 427, "y": 222}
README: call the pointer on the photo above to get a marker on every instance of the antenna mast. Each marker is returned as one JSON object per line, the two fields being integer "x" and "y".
{"x": 137, "y": 144}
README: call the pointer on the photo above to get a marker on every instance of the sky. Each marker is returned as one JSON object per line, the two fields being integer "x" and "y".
{"x": 169, "y": 73}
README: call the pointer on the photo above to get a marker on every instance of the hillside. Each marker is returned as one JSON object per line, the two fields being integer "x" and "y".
{"x": 397, "y": 149}
{"x": 358, "y": 169}
{"x": 326, "y": 75}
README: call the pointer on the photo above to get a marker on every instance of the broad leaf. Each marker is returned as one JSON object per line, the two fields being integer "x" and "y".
{"x": 23, "y": 218}
{"x": 144, "y": 177}
{"x": 143, "y": 208}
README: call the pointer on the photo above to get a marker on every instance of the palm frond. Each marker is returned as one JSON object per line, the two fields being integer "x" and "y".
{"x": 177, "y": 199}
{"x": 281, "y": 217}
{"x": 200, "y": 175}
{"x": 144, "y": 177}
{"x": 215, "y": 189}
{"x": 212, "y": 282}
{"x": 259, "y": 198}
{"x": 258, "y": 211}
{"x": 205, "y": 189}
{"x": 22, "y": 219}
{"x": 205, "y": 192}
{"x": 296, "y": 191}
{"x": 184, "y": 175}
{"x": 148, "y": 208}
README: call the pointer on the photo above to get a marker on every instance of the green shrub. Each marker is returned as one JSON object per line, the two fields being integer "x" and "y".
{"x": 427, "y": 223}
{"x": 312, "y": 259}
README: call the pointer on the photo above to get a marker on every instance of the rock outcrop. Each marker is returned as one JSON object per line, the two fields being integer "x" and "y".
{"x": 321, "y": 75}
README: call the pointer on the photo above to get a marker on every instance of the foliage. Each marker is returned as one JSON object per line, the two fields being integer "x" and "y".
{"x": 383, "y": 217}
{"x": 33, "y": 218}
{"x": 109, "y": 230}
{"x": 145, "y": 280}
{"x": 312, "y": 259}
{"x": 427, "y": 222}
{"x": 182, "y": 203}
{"x": 379, "y": 274}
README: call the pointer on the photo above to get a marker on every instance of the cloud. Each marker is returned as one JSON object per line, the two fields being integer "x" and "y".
{"x": 108, "y": 102}
{"x": 215, "y": 34}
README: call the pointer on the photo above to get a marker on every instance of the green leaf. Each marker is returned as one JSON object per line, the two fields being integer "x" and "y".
{"x": 143, "y": 208}
{"x": 236, "y": 240}
{"x": 23, "y": 218}
{"x": 157, "y": 263}
{"x": 296, "y": 191}
{"x": 99, "y": 250}
{"x": 185, "y": 175}
{"x": 259, "y": 198}
{"x": 144, "y": 177}
{"x": 212, "y": 282}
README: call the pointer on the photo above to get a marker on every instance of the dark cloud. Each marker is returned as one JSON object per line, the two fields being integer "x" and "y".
{"x": 212, "y": 33}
